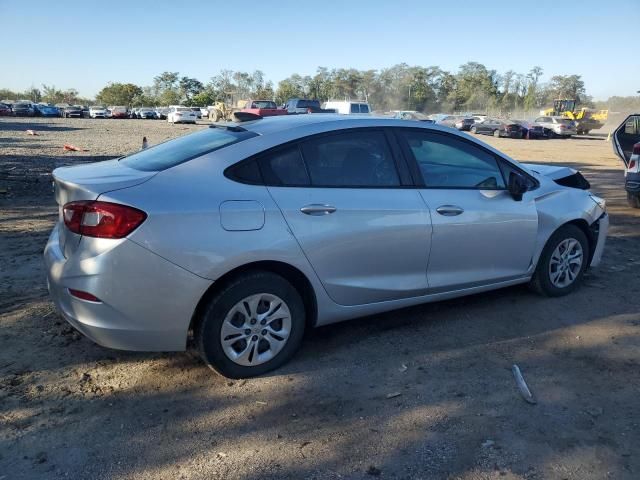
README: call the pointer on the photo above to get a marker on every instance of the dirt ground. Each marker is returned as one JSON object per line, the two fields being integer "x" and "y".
{"x": 421, "y": 393}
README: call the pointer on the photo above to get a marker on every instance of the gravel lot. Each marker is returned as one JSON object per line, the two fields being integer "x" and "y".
{"x": 420, "y": 393}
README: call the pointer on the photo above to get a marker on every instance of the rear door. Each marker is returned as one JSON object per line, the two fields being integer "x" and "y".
{"x": 348, "y": 201}
{"x": 481, "y": 235}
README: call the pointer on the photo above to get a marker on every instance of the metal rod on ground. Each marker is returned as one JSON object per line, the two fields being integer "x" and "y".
{"x": 522, "y": 385}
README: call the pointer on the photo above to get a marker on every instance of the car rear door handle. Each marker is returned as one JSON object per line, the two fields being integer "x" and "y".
{"x": 317, "y": 209}
{"x": 449, "y": 210}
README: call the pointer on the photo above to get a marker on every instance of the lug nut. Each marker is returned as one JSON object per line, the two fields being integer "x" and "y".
{"x": 247, "y": 331}
{"x": 263, "y": 321}
{"x": 254, "y": 338}
{"x": 253, "y": 321}
{"x": 263, "y": 332}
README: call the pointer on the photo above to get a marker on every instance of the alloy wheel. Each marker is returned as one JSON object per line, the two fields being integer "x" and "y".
{"x": 565, "y": 263}
{"x": 255, "y": 329}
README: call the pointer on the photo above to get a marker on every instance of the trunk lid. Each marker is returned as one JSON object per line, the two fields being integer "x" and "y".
{"x": 88, "y": 182}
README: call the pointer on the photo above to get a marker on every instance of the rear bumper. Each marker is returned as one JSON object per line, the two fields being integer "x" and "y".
{"x": 632, "y": 182}
{"x": 146, "y": 302}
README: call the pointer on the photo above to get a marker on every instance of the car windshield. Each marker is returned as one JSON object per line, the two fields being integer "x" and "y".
{"x": 174, "y": 152}
{"x": 97, "y": 108}
{"x": 183, "y": 109}
{"x": 263, "y": 104}
{"x": 21, "y": 105}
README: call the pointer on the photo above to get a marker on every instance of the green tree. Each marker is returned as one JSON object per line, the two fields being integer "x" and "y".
{"x": 119, "y": 94}
{"x": 51, "y": 94}
{"x": 189, "y": 87}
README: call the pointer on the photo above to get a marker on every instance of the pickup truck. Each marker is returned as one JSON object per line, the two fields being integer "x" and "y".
{"x": 303, "y": 105}
{"x": 264, "y": 108}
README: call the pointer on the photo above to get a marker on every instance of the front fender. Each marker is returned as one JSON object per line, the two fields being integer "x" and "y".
{"x": 559, "y": 207}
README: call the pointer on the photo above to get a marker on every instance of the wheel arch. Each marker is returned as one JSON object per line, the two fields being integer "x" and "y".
{"x": 293, "y": 275}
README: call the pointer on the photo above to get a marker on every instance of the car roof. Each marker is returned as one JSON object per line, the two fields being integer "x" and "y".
{"x": 328, "y": 121}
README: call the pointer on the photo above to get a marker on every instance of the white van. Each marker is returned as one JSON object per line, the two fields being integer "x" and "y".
{"x": 348, "y": 108}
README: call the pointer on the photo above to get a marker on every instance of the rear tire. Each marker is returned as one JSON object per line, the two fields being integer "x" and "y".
{"x": 496, "y": 133}
{"x": 253, "y": 337}
{"x": 633, "y": 199}
{"x": 562, "y": 263}
{"x": 474, "y": 130}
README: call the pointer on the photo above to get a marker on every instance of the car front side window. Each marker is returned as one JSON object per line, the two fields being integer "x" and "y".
{"x": 447, "y": 162}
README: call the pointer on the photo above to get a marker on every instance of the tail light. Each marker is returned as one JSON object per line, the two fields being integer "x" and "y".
{"x": 636, "y": 149}
{"x": 102, "y": 219}
{"x": 309, "y": 110}
{"x": 178, "y": 114}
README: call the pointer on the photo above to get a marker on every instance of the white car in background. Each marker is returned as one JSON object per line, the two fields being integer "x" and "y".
{"x": 559, "y": 126}
{"x": 181, "y": 114}
{"x": 97, "y": 112}
{"x": 348, "y": 108}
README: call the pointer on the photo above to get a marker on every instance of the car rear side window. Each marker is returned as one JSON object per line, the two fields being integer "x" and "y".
{"x": 179, "y": 150}
{"x": 350, "y": 159}
{"x": 447, "y": 162}
{"x": 284, "y": 167}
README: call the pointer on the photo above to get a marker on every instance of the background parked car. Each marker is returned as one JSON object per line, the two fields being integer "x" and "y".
{"x": 498, "y": 128}
{"x": 304, "y": 105}
{"x": 161, "y": 113}
{"x": 180, "y": 114}
{"x": 445, "y": 120}
{"x": 23, "y": 109}
{"x": 412, "y": 115}
{"x": 348, "y": 108}
{"x": 119, "y": 111}
{"x": 197, "y": 111}
{"x": 464, "y": 123}
{"x": 5, "y": 110}
{"x": 204, "y": 112}
{"x": 97, "y": 112}
{"x": 532, "y": 131}
{"x": 146, "y": 113}
{"x": 46, "y": 110}
{"x": 72, "y": 111}
{"x": 558, "y": 126}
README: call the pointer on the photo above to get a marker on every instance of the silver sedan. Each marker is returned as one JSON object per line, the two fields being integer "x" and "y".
{"x": 243, "y": 235}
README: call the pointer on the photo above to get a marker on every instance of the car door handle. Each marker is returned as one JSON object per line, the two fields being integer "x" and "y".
{"x": 318, "y": 209}
{"x": 449, "y": 210}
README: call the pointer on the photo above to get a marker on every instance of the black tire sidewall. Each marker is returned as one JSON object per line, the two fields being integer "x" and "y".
{"x": 541, "y": 279}
{"x": 633, "y": 199}
{"x": 208, "y": 330}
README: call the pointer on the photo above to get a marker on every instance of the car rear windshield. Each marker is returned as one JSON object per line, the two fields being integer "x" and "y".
{"x": 308, "y": 104}
{"x": 179, "y": 150}
{"x": 264, "y": 104}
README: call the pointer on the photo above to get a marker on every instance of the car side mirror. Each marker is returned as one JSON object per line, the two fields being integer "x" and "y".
{"x": 518, "y": 185}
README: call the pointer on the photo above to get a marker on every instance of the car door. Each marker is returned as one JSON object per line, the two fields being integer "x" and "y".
{"x": 348, "y": 201}
{"x": 481, "y": 235}
{"x": 486, "y": 126}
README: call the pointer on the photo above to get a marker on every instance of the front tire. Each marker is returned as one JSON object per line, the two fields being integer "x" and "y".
{"x": 562, "y": 263}
{"x": 474, "y": 130}
{"x": 252, "y": 326}
{"x": 633, "y": 199}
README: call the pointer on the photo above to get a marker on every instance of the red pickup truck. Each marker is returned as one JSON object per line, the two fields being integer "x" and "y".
{"x": 264, "y": 108}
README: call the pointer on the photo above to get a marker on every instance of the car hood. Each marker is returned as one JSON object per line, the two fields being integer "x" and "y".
{"x": 554, "y": 172}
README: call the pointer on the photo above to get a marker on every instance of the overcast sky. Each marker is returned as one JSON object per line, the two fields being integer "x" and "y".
{"x": 85, "y": 44}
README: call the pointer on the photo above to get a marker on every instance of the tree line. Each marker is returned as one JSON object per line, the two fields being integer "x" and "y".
{"x": 473, "y": 87}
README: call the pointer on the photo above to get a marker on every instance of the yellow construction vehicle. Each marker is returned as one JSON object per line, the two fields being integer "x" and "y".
{"x": 586, "y": 118}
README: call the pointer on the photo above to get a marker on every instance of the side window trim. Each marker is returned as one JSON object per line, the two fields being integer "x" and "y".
{"x": 417, "y": 174}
